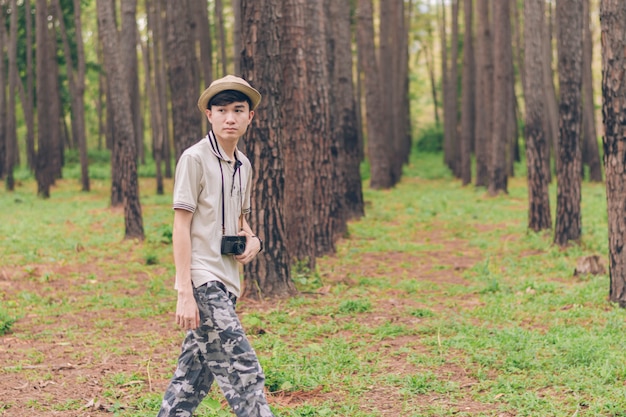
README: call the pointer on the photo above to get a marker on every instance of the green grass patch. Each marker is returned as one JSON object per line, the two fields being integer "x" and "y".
{"x": 438, "y": 302}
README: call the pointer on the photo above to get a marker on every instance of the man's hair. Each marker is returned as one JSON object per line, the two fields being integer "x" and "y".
{"x": 227, "y": 97}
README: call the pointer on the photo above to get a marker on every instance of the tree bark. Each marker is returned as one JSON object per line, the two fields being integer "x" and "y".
{"x": 403, "y": 103}
{"x": 269, "y": 274}
{"x": 299, "y": 150}
{"x": 221, "y": 36}
{"x": 590, "y": 152}
{"x": 468, "y": 97}
{"x": 236, "y": 5}
{"x": 206, "y": 43}
{"x": 325, "y": 181}
{"x": 27, "y": 97}
{"x": 498, "y": 177}
{"x": 76, "y": 82}
{"x": 377, "y": 139}
{"x": 613, "y": 27}
{"x": 430, "y": 67}
{"x": 11, "y": 131}
{"x": 128, "y": 41}
{"x": 343, "y": 114}
{"x": 3, "y": 101}
{"x": 552, "y": 106}
{"x": 519, "y": 46}
{"x": 570, "y": 44}
{"x": 536, "y": 138}
{"x": 453, "y": 78}
{"x": 119, "y": 100}
{"x": 445, "y": 96}
{"x": 484, "y": 95}
{"x": 54, "y": 129}
{"x": 183, "y": 88}
{"x": 152, "y": 73}
{"x": 45, "y": 149}
{"x": 161, "y": 23}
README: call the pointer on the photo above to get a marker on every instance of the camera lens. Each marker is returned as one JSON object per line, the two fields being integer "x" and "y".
{"x": 239, "y": 248}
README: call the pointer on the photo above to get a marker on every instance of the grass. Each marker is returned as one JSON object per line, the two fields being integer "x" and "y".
{"x": 438, "y": 303}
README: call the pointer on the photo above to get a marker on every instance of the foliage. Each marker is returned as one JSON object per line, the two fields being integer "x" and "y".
{"x": 6, "y": 322}
{"x": 430, "y": 139}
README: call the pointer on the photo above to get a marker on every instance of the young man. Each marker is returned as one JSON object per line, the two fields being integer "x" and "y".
{"x": 211, "y": 197}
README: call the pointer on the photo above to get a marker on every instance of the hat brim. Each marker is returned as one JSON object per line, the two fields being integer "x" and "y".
{"x": 209, "y": 93}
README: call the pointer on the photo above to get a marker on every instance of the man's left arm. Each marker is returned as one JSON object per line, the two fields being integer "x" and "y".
{"x": 253, "y": 243}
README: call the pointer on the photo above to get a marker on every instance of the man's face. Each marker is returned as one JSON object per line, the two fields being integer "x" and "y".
{"x": 230, "y": 121}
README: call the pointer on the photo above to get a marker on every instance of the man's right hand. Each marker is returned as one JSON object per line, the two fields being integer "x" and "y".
{"x": 187, "y": 314}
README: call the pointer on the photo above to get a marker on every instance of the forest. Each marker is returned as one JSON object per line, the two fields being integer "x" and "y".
{"x": 439, "y": 184}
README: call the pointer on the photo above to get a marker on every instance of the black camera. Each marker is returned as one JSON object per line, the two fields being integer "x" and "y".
{"x": 233, "y": 245}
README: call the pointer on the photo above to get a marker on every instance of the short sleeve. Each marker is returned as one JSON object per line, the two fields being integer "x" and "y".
{"x": 246, "y": 198}
{"x": 187, "y": 183}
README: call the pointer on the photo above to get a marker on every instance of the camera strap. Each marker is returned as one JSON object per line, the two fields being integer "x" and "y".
{"x": 238, "y": 164}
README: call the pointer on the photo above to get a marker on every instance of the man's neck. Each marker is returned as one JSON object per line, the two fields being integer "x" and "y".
{"x": 229, "y": 147}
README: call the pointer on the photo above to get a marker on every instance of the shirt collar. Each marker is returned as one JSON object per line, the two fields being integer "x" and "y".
{"x": 217, "y": 149}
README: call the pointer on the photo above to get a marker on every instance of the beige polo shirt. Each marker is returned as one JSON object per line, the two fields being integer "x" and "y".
{"x": 198, "y": 189}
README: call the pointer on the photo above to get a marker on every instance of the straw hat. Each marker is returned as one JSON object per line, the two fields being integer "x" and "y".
{"x": 229, "y": 82}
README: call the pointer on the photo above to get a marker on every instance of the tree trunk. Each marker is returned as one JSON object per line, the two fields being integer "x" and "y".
{"x": 613, "y": 27}
{"x": 403, "y": 103}
{"x": 570, "y": 44}
{"x": 161, "y": 23}
{"x": 11, "y": 131}
{"x": 80, "y": 90}
{"x": 299, "y": 150}
{"x": 54, "y": 129}
{"x": 45, "y": 149}
{"x": 536, "y": 138}
{"x": 484, "y": 96}
{"x": 100, "y": 107}
{"x": 206, "y": 43}
{"x": 430, "y": 67}
{"x": 269, "y": 273}
{"x": 552, "y": 106}
{"x": 119, "y": 100}
{"x": 519, "y": 48}
{"x": 590, "y": 152}
{"x": 183, "y": 87}
{"x": 445, "y": 81}
{"x": 377, "y": 138}
{"x": 326, "y": 182}
{"x": 156, "y": 111}
{"x": 76, "y": 82}
{"x": 236, "y": 5}
{"x": 117, "y": 194}
{"x": 343, "y": 114}
{"x": 27, "y": 98}
{"x": 128, "y": 42}
{"x": 221, "y": 36}
{"x": 513, "y": 151}
{"x": 453, "y": 81}
{"x": 502, "y": 95}
{"x": 468, "y": 98}
{"x": 3, "y": 101}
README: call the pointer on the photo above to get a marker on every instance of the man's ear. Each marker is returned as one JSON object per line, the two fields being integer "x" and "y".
{"x": 207, "y": 112}
{"x": 251, "y": 115}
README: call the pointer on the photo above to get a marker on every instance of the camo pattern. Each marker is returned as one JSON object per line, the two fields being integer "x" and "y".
{"x": 217, "y": 350}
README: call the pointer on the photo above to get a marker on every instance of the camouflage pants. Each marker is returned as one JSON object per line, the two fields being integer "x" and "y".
{"x": 217, "y": 350}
